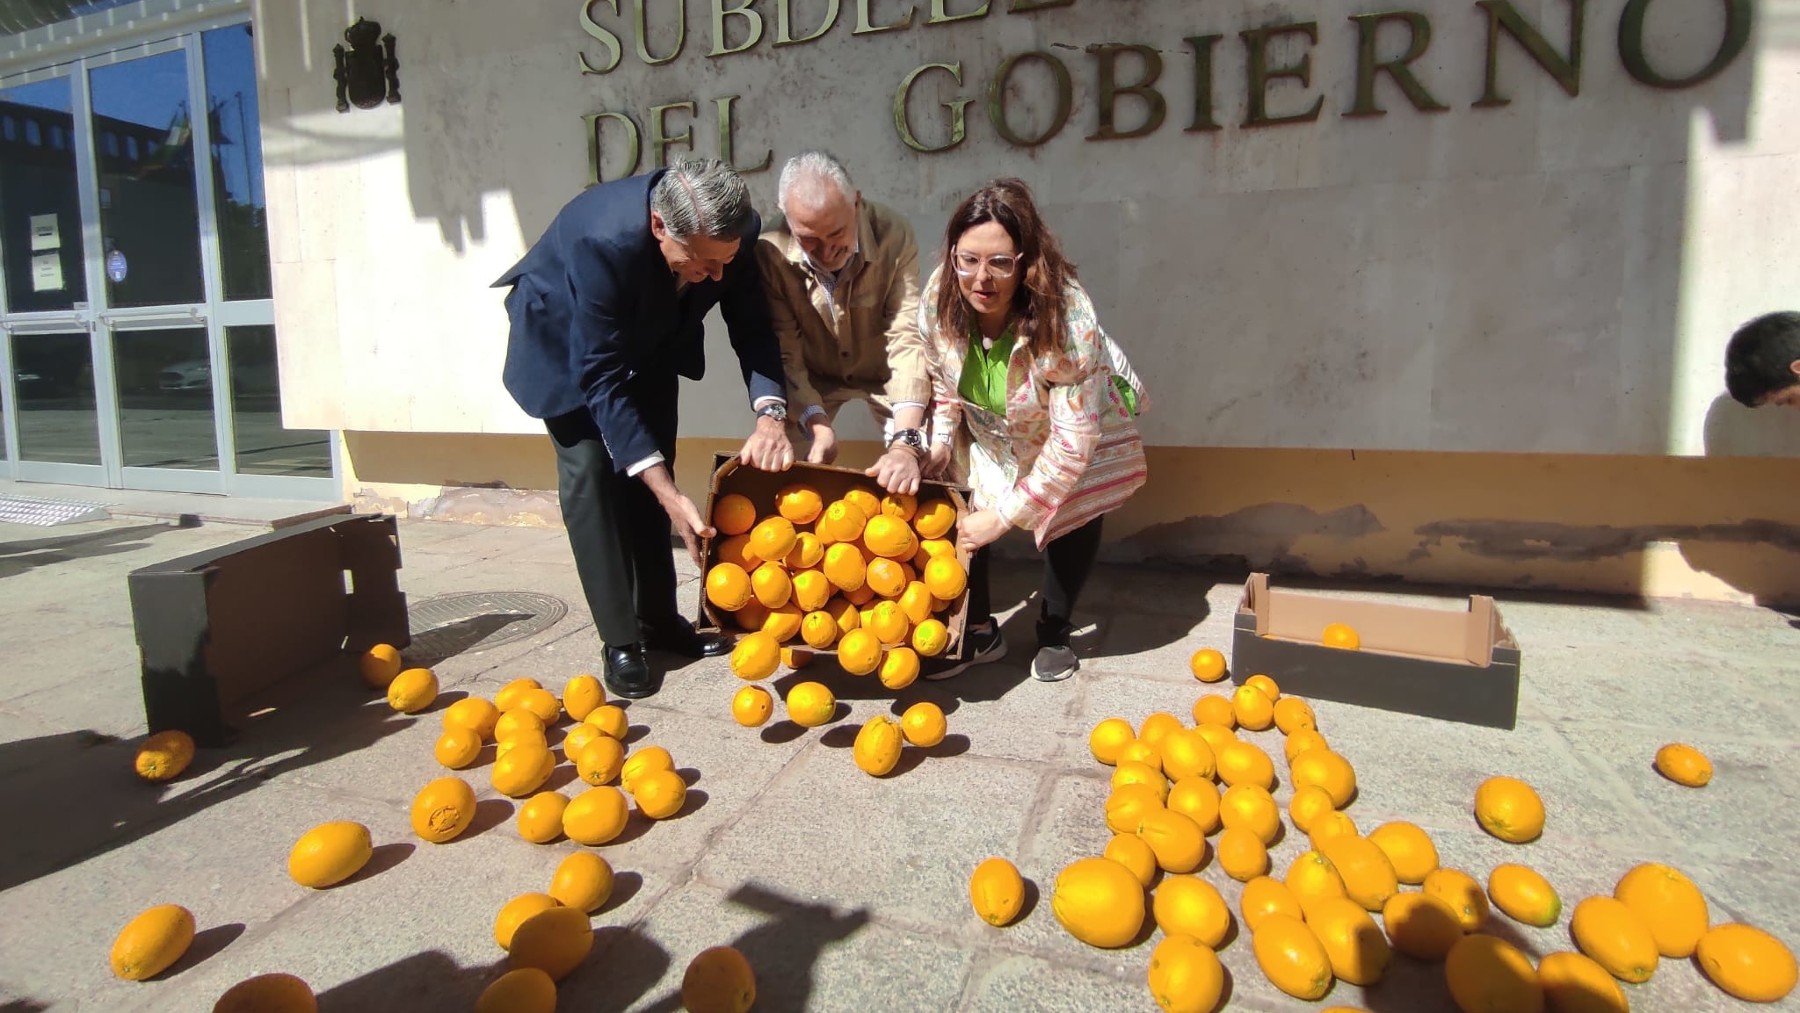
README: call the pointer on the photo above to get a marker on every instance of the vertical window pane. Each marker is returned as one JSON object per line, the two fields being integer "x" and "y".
{"x": 53, "y": 379}
{"x": 165, "y": 399}
{"x": 237, "y": 162}
{"x": 40, "y": 204}
{"x": 263, "y": 446}
{"x": 150, "y": 229}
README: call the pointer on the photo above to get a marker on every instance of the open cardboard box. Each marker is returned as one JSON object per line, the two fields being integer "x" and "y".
{"x": 217, "y": 627}
{"x": 832, "y": 483}
{"x": 1456, "y": 665}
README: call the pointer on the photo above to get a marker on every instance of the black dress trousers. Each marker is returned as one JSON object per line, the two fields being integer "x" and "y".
{"x": 618, "y": 532}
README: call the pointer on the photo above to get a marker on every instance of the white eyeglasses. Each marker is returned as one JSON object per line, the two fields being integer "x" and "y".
{"x": 967, "y": 264}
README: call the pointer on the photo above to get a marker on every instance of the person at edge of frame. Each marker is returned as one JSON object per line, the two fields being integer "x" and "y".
{"x": 1762, "y": 362}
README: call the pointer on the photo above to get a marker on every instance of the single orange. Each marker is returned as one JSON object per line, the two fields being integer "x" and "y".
{"x": 1207, "y": 664}
{"x": 751, "y": 706}
{"x": 733, "y": 514}
{"x": 799, "y": 503}
{"x": 728, "y": 586}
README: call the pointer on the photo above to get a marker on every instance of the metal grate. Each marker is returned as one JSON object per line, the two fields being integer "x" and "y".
{"x": 43, "y": 513}
{"x": 453, "y": 624}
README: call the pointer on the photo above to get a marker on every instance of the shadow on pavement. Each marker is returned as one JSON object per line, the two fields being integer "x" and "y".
{"x": 1407, "y": 986}
{"x": 382, "y": 858}
{"x": 624, "y": 966}
{"x": 1106, "y": 603}
{"x": 207, "y": 944}
{"x": 28, "y": 554}
{"x": 423, "y": 981}
{"x": 441, "y": 643}
{"x": 312, "y": 718}
{"x": 782, "y": 949}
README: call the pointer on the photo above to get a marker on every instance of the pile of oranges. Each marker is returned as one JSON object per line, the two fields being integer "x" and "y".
{"x": 866, "y": 575}
{"x": 1340, "y": 910}
{"x": 546, "y": 934}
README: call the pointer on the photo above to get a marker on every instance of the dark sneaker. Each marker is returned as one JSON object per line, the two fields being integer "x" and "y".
{"x": 1054, "y": 664}
{"x": 1053, "y": 632}
{"x": 985, "y": 644}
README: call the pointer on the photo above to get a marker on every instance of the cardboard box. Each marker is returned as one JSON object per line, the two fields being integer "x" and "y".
{"x": 1456, "y": 665}
{"x": 215, "y": 628}
{"x": 832, "y": 483}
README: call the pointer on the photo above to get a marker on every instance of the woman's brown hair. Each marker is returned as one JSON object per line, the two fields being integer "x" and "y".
{"x": 1038, "y": 302}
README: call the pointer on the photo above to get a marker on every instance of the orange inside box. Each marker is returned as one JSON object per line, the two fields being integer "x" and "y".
{"x": 760, "y": 487}
{"x": 1454, "y": 664}
{"x": 1466, "y": 637}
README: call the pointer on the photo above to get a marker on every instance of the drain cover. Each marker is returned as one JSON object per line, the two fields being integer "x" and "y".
{"x": 45, "y": 512}
{"x": 453, "y": 624}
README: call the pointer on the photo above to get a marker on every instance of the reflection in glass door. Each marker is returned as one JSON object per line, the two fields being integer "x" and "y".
{"x": 143, "y": 140}
{"x": 53, "y": 389}
{"x": 264, "y": 445}
{"x": 40, "y": 198}
{"x": 165, "y": 385}
{"x": 140, "y": 347}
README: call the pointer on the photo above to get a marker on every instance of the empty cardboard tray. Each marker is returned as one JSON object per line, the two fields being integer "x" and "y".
{"x": 216, "y": 627}
{"x": 832, "y": 482}
{"x": 1434, "y": 662}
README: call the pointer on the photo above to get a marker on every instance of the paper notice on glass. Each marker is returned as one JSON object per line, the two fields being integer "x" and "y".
{"x": 46, "y": 272}
{"x": 45, "y": 235}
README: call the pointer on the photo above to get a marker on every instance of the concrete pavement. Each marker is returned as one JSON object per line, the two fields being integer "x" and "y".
{"x": 845, "y": 892}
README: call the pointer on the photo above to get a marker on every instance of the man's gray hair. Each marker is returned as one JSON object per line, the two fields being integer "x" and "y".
{"x": 702, "y": 197}
{"x": 808, "y": 171}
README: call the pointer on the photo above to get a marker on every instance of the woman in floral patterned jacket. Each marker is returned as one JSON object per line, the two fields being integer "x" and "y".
{"x": 1032, "y": 406}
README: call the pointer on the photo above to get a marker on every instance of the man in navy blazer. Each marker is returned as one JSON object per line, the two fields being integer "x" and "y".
{"x": 607, "y": 311}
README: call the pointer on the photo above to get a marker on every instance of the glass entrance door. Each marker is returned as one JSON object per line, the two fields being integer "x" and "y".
{"x": 52, "y": 418}
{"x": 140, "y": 346}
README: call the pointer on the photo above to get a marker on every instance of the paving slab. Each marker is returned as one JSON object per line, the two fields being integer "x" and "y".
{"x": 902, "y": 845}
{"x": 846, "y": 891}
{"x": 1020, "y": 983}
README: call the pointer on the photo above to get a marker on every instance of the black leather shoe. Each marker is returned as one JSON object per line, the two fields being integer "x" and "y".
{"x": 628, "y": 672}
{"x": 678, "y": 636}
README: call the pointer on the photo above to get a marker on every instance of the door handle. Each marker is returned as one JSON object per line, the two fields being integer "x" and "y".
{"x": 110, "y": 319}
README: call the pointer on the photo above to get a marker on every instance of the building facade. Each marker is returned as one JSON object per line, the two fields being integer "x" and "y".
{"x": 1438, "y": 294}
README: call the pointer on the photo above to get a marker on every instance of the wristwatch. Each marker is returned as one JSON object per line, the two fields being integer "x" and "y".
{"x": 776, "y": 410}
{"x": 911, "y": 439}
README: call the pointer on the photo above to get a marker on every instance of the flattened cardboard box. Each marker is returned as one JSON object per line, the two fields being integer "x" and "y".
{"x": 1433, "y": 662}
{"x": 215, "y": 628}
{"x": 832, "y": 483}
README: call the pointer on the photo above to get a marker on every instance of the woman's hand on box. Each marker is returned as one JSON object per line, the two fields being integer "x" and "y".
{"x": 937, "y": 461}
{"x": 980, "y": 529}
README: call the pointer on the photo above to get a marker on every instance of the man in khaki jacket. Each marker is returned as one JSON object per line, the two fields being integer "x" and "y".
{"x": 842, "y": 276}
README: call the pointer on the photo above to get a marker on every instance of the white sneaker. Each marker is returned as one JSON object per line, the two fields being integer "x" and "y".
{"x": 986, "y": 644}
{"x": 1054, "y": 664}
